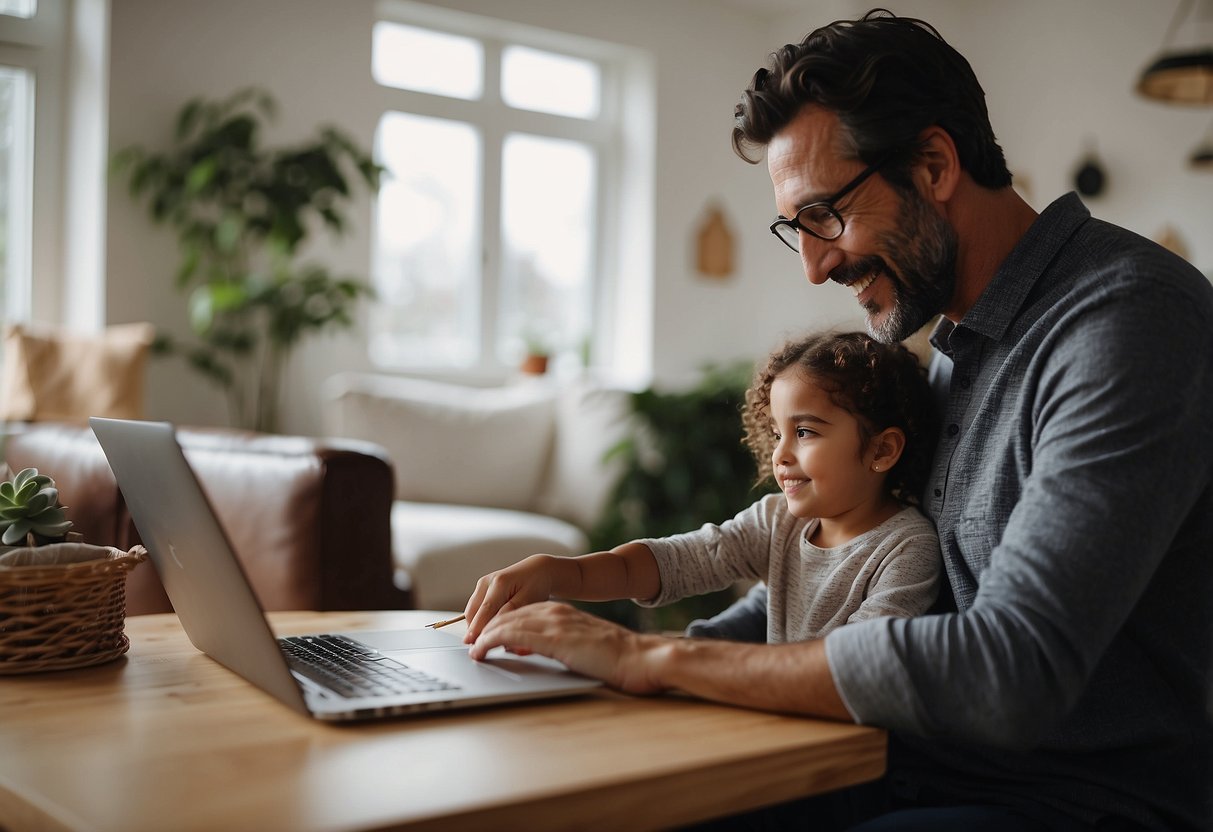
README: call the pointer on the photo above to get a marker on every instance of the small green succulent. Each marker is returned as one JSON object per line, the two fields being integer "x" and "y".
{"x": 30, "y": 503}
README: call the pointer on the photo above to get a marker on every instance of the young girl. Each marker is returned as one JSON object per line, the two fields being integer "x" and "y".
{"x": 844, "y": 424}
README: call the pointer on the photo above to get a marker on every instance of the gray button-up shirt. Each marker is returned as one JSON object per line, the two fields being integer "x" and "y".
{"x": 1073, "y": 494}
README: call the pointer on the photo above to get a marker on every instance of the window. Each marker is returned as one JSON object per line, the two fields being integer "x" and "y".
{"x": 502, "y": 197}
{"x": 19, "y": 8}
{"x": 52, "y": 160}
{"x": 427, "y": 235}
{"x": 16, "y": 163}
{"x": 19, "y": 44}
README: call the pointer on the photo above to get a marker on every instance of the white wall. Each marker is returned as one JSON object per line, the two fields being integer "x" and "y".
{"x": 1054, "y": 73}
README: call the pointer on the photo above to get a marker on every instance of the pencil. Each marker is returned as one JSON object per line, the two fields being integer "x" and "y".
{"x": 438, "y": 624}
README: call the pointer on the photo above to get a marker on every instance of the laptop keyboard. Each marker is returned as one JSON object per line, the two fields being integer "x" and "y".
{"x": 355, "y": 670}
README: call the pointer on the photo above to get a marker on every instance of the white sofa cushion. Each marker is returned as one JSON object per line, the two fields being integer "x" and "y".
{"x": 590, "y": 420}
{"x": 442, "y": 550}
{"x": 453, "y": 444}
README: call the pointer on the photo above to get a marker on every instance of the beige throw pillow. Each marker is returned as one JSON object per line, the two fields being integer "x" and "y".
{"x": 51, "y": 374}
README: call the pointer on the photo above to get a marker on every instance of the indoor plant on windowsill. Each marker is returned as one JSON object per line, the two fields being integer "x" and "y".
{"x": 62, "y": 601}
{"x": 537, "y": 356}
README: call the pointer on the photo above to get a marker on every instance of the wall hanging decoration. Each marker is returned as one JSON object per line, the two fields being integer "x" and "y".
{"x": 1172, "y": 241}
{"x": 1090, "y": 178}
{"x": 1202, "y": 156}
{"x": 714, "y": 245}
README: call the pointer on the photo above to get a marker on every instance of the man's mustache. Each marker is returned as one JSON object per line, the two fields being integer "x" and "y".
{"x": 848, "y": 273}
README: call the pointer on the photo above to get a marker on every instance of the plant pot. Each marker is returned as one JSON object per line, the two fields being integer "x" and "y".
{"x": 535, "y": 365}
{"x": 63, "y": 605}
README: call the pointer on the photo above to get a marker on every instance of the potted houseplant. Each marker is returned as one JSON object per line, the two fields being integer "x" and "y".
{"x": 241, "y": 212}
{"x": 683, "y": 464}
{"x": 537, "y": 355}
{"x": 62, "y": 601}
{"x": 30, "y": 513}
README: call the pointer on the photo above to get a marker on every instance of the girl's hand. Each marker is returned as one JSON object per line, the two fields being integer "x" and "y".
{"x": 526, "y": 582}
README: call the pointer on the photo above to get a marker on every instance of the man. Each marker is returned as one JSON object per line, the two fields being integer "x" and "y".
{"x": 1068, "y": 685}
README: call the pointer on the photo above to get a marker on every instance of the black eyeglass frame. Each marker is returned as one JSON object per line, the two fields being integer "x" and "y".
{"x": 828, "y": 204}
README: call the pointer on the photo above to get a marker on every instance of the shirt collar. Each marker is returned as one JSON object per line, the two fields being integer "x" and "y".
{"x": 1002, "y": 299}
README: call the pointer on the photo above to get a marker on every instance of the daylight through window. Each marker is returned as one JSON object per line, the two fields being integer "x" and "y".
{"x": 490, "y": 223}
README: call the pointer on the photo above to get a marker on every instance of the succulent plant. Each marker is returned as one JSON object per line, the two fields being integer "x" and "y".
{"x": 29, "y": 502}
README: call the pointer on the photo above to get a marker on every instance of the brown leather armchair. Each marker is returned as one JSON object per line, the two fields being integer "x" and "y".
{"x": 308, "y": 518}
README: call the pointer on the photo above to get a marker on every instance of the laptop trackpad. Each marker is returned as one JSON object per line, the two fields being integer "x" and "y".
{"x": 420, "y": 639}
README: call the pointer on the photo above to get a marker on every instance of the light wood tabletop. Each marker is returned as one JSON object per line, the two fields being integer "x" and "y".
{"x": 166, "y": 739}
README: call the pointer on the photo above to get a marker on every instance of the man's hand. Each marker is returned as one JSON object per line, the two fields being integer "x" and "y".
{"x": 584, "y": 643}
{"x": 790, "y": 678}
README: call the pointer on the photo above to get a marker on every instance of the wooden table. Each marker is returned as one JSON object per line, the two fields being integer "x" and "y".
{"x": 165, "y": 738}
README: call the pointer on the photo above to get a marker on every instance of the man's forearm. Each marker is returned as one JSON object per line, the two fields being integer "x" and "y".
{"x": 790, "y": 678}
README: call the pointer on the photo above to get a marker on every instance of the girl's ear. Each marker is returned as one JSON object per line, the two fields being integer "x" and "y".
{"x": 885, "y": 449}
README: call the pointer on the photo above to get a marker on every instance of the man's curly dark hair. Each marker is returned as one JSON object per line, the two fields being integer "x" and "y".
{"x": 888, "y": 78}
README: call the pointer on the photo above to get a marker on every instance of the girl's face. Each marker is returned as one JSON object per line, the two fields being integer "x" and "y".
{"x": 818, "y": 460}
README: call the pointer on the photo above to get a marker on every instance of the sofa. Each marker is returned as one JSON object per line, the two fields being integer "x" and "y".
{"x": 309, "y": 519}
{"x": 483, "y": 476}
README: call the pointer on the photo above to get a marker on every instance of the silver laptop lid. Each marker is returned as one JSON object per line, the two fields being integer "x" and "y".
{"x": 196, "y": 563}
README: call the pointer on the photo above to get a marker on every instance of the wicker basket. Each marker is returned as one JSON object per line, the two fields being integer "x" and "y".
{"x": 63, "y": 605}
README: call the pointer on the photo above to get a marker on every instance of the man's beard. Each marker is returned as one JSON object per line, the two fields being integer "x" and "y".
{"x": 923, "y": 248}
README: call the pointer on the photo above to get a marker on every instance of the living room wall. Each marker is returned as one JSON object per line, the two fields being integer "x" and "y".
{"x": 1054, "y": 74}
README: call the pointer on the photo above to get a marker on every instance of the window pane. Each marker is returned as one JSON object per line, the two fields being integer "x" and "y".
{"x": 550, "y": 83}
{"x": 427, "y": 61}
{"x": 16, "y": 165}
{"x": 19, "y": 8}
{"x": 427, "y": 256}
{"x": 548, "y": 195}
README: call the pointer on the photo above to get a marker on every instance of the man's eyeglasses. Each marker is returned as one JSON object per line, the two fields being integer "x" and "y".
{"x": 821, "y": 219}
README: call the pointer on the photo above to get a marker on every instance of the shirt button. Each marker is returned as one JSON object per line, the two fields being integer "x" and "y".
{"x": 965, "y": 382}
{"x": 953, "y": 430}
{"x": 938, "y": 492}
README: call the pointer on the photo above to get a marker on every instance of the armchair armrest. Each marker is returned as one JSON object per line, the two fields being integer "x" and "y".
{"x": 309, "y": 519}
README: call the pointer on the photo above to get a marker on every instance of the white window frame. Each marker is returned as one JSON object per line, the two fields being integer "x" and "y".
{"x": 65, "y": 46}
{"x": 620, "y": 347}
{"x": 35, "y": 45}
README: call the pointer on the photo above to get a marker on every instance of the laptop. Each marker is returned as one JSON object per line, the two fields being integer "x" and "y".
{"x": 329, "y": 676}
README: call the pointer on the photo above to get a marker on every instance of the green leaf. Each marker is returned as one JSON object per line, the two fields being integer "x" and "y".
{"x": 201, "y": 310}
{"x": 49, "y": 517}
{"x": 191, "y": 256}
{"x": 188, "y": 117}
{"x": 229, "y": 296}
{"x": 27, "y": 490}
{"x": 228, "y": 232}
{"x": 125, "y": 158}
{"x": 53, "y": 529}
{"x": 24, "y": 476}
{"x": 16, "y": 533}
{"x": 200, "y": 175}
{"x": 37, "y": 503}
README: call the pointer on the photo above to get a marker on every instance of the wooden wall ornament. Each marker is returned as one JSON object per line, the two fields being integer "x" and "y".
{"x": 1170, "y": 239}
{"x": 714, "y": 245}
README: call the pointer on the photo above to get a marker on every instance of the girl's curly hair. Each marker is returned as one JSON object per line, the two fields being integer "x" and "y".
{"x": 881, "y": 385}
